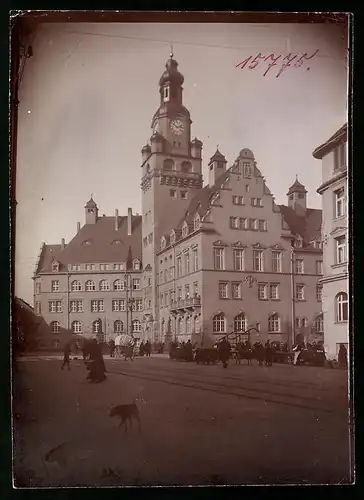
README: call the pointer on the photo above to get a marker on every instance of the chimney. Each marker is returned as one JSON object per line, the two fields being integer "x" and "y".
{"x": 116, "y": 219}
{"x": 78, "y": 226}
{"x": 63, "y": 243}
{"x": 130, "y": 218}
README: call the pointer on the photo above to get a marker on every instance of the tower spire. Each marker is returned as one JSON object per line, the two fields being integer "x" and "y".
{"x": 171, "y": 54}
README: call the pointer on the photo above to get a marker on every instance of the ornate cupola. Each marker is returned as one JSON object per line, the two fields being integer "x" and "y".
{"x": 170, "y": 82}
{"x": 297, "y": 199}
{"x": 217, "y": 166}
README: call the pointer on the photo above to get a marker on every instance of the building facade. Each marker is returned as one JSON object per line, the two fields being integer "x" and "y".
{"x": 334, "y": 191}
{"x": 209, "y": 259}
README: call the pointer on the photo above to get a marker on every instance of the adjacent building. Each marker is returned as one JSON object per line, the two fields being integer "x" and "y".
{"x": 201, "y": 261}
{"x": 334, "y": 187}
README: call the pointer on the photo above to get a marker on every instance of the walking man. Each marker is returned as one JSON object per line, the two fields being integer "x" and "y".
{"x": 66, "y": 356}
{"x": 224, "y": 352}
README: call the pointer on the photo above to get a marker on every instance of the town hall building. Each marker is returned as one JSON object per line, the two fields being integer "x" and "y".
{"x": 200, "y": 261}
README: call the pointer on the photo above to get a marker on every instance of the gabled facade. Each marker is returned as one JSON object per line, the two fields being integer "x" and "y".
{"x": 334, "y": 191}
{"x": 92, "y": 285}
{"x": 210, "y": 259}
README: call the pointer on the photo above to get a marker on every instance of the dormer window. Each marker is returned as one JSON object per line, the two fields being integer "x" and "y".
{"x": 163, "y": 243}
{"x": 136, "y": 265}
{"x": 298, "y": 243}
{"x": 87, "y": 242}
{"x": 173, "y": 238}
{"x": 196, "y": 222}
{"x": 55, "y": 267}
{"x": 185, "y": 229}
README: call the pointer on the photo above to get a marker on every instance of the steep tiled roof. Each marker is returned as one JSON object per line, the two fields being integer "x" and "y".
{"x": 325, "y": 148}
{"x": 101, "y": 244}
{"x": 308, "y": 226}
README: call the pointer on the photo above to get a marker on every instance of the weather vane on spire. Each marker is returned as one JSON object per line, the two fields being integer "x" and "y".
{"x": 217, "y": 147}
{"x": 171, "y": 54}
{"x": 92, "y": 195}
{"x": 296, "y": 177}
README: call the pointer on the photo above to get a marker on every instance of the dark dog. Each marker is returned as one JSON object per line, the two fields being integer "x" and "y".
{"x": 126, "y": 413}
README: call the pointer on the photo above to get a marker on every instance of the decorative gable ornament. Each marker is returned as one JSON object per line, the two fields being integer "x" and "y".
{"x": 148, "y": 267}
{"x": 219, "y": 243}
{"x": 258, "y": 245}
{"x": 55, "y": 266}
{"x": 238, "y": 244}
{"x": 277, "y": 246}
{"x": 163, "y": 243}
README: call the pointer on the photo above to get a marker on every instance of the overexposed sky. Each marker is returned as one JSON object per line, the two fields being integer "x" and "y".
{"x": 89, "y": 92}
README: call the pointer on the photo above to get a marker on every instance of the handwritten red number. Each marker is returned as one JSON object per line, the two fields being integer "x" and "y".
{"x": 256, "y": 60}
{"x": 243, "y": 63}
{"x": 304, "y": 57}
{"x": 273, "y": 63}
{"x": 287, "y": 65}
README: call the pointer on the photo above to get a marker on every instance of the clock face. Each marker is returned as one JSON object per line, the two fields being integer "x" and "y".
{"x": 177, "y": 127}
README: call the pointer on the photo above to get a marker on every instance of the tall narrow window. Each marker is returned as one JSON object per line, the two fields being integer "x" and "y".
{"x": 299, "y": 266}
{"x": 319, "y": 265}
{"x": 276, "y": 261}
{"x": 258, "y": 260}
{"x": 274, "y": 323}
{"x": 339, "y": 197}
{"x": 219, "y": 258}
{"x": 340, "y": 243}
{"x": 238, "y": 259}
{"x": 341, "y": 307}
{"x": 240, "y": 323}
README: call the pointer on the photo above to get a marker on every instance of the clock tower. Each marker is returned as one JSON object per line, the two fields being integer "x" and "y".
{"x": 171, "y": 176}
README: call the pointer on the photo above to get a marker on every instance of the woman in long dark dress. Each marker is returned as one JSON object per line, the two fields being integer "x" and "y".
{"x": 96, "y": 364}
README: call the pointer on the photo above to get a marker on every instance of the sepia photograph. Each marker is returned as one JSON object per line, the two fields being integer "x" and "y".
{"x": 181, "y": 313}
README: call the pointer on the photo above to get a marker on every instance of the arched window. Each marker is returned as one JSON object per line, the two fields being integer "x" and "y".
{"x": 186, "y": 166}
{"x": 274, "y": 323}
{"x": 104, "y": 285}
{"x": 196, "y": 222}
{"x": 240, "y": 323}
{"x": 341, "y": 301}
{"x": 90, "y": 286}
{"x": 319, "y": 323}
{"x": 137, "y": 326}
{"x": 119, "y": 285}
{"x": 55, "y": 327}
{"x": 118, "y": 326}
{"x": 76, "y": 327}
{"x": 219, "y": 323}
{"x": 76, "y": 286}
{"x": 168, "y": 164}
{"x": 97, "y": 326}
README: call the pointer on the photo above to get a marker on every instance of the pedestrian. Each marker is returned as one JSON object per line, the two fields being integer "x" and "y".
{"x": 343, "y": 356}
{"x": 188, "y": 351}
{"x": 259, "y": 353}
{"x": 148, "y": 348}
{"x": 117, "y": 345}
{"x": 96, "y": 365}
{"x": 141, "y": 348}
{"x": 224, "y": 352}
{"x": 66, "y": 356}
{"x": 268, "y": 353}
{"x": 112, "y": 347}
{"x": 297, "y": 352}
